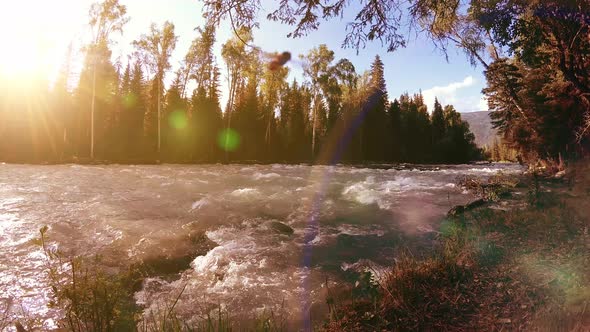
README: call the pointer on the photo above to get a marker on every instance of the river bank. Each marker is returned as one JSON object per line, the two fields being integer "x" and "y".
{"x": 518, "y": 262}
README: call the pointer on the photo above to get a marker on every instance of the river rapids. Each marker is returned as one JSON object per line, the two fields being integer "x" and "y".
{"x": 279, "y": 231}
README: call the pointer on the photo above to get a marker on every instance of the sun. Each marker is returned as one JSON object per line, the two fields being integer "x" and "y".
{"x": 21, "y": 60}
{"x": 27, "y": 55}
{"x": 31, "y": 36}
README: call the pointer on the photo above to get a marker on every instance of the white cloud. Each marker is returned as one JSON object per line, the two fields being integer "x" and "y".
{"x": 483, "y": 104}
{"x": 449, "y": 94}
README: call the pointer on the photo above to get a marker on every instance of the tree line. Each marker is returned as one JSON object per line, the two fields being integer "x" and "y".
{"x": 534, "y": 54}
{"x": 122, "y": 112}
{"x": 500, "y": 151}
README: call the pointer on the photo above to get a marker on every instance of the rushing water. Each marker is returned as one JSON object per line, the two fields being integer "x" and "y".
{"x": 343, "y": 218}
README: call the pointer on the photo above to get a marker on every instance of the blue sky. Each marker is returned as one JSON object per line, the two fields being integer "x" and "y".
{"x": 418, "y": 67}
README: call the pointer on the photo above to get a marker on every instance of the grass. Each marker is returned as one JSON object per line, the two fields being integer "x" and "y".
{"x": 525, "y": 267}
{"x": 95, "y": 298}
{"x": 91, "y": 298}
{"x": 416, "y": 293}
{"x": 5, "y": 307}
{"x": 12, "y": 314}
{"x": 167, "y": 319}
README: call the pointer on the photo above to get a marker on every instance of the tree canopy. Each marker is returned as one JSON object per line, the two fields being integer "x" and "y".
{"x": 534, "y": 53}
{"x": 334, "y": 114}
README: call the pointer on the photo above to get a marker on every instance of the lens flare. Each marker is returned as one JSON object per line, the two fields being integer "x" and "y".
{"x": 178, "y": 119}
{"x": 129, "y": 100}
{"x": 228, "y": 140}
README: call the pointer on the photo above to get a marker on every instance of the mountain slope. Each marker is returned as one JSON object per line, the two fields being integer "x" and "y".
{"x": 481, "y": 126}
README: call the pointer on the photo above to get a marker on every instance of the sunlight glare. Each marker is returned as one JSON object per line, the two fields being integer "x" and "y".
{"x": 21, "y": 60}
{"x": 33, "y": 37}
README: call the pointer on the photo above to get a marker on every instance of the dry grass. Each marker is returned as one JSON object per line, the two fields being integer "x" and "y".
{"x": 416, "y": 294}
{"x": 95, "y": 298}
{"x": 525, "y": 266}
{"x": 491, "y": 189}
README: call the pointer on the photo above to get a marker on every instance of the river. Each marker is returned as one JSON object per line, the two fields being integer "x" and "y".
{"x": 279, "y": 230}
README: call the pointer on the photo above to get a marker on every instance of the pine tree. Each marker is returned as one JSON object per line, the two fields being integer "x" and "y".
{"x": 214, "y": 116}
{"x": 375, "y": 140}
{"x": 438, "y": 127}
{"x": 378, "y": 78}
{"x": 459, "y": 146}
{"x": 206, "y": 120}
{"x": 63, "y": 108}
{"x": 423, "y": 130}
{"x": 156, "y": 48}
{"x": 395, "y": 127}
{"x": 126, "y": 82}
{"x": 175, "y": 128}
{"x": 292, "y": 124}
{"x": 134, "y": 110}
{"x": 273, "y": 82}
{"x": 247, "y": 123}
{"x": 199, "y": 124}
{"x": 95, "y": 98}
{"x": 319, "y": 125}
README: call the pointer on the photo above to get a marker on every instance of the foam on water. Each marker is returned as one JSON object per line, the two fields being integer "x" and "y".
{"x": 199, "y": 204}
{"x": 386, "y": 193}
{"x": 360, "y": 231}
{"x": 258, "y": 176}
{"x": 362, "y": 193}
{"x": 245, "y": 192}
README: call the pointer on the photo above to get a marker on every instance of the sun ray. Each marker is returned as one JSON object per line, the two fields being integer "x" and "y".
{"x": 33, "y": 40}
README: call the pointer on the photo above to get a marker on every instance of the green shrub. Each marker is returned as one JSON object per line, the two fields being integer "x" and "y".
{"x": 96, "y": 299}
{"x": 92, "y": 299}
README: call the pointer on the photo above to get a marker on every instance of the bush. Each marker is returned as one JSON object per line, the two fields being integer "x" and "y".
{"x": 95, "y": 299}
{"x": 415, "y": 294}
{"x": 91, "y": 299}
{"x": 491, "y": 189}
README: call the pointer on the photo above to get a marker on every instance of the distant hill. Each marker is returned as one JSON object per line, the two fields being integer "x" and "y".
{"x": 481, "y": 126}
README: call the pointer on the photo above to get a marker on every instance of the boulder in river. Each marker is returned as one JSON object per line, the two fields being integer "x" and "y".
{"x": 170, "y": 256}
{"x": 281, "y": 228}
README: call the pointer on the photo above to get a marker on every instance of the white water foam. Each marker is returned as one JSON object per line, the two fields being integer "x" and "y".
{"x": 245, "y": 192}
{"x": 259, "y": 176}
{"x": 199, "y": 204}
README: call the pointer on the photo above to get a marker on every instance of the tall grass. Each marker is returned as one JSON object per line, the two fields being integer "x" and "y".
{"x": 95, "y": 299}
{"x": 5, "y": 309}
{"x": 91, "y": 299}
{"x": 416, "y": 293}
{"x": 492, "y": 189}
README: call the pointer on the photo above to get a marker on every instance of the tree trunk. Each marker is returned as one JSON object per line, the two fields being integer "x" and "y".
{"x": 92, "y": 111}
{"x": 159, "y": 126}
